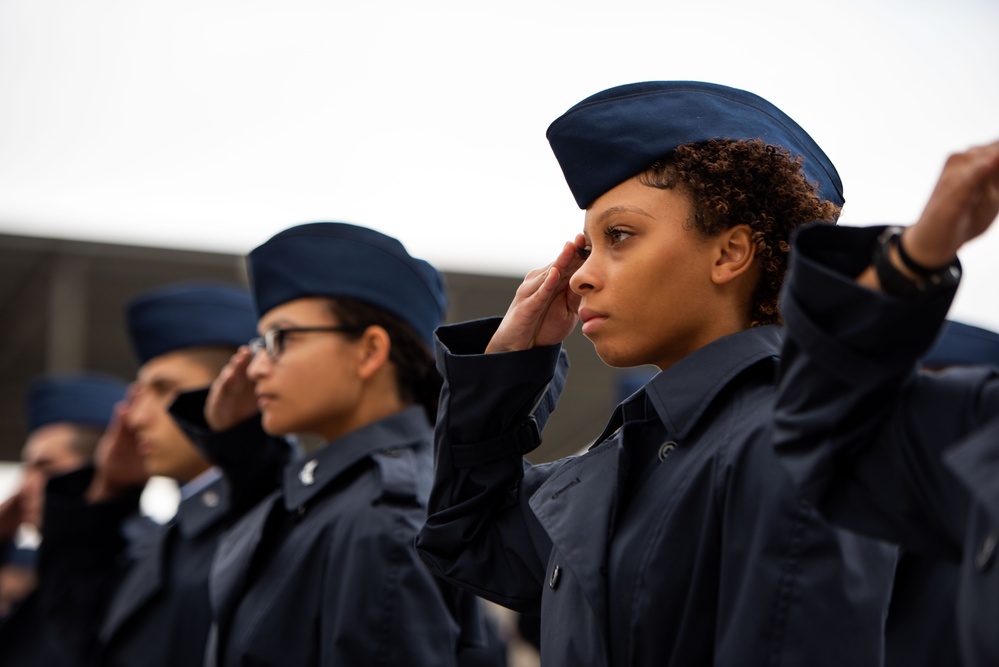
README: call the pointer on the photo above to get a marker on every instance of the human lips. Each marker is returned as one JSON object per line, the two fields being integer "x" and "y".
{"x": 591, "y": 320}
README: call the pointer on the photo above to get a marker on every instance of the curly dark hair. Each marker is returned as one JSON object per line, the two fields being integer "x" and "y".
{"x": 415, "y": 371}
{"x": 746, "y": 182}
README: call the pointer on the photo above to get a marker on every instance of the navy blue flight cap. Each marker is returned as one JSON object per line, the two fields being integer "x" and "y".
{"x": 335, "y": 259}
{"x": 620, "y": 132}
{"x": 190, "y": 315}
{"x": 961, "y": 344}
{"x": 85, "y": 400}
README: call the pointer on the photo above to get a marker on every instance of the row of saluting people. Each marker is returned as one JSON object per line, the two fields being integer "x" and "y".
{"x": 741, "y": 508}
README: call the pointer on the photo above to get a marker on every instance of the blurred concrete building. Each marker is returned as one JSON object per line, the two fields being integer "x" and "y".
{"x": 62, "y": 302}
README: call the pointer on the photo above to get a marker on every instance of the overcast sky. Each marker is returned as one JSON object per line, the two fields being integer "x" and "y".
{"x": 213, "y": 124}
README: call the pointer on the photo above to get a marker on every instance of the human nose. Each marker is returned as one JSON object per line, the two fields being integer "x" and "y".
{"x": 259, "y": 365}
{"x": 584, "y": 278}
{"x": 136, "y": 411}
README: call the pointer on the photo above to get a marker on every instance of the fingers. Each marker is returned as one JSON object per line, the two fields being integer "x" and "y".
{"x": 963, "y": 205}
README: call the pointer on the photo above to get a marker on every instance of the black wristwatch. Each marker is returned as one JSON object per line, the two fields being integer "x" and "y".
{"x": 897, "y": 284}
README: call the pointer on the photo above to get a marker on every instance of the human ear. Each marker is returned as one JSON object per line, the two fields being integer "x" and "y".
{"x": 736, "y": 252}
{"x": 373, "y": 351}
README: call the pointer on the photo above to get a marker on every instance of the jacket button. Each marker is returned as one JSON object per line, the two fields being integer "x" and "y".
{"x": 307, "y": 474}
{"x": 556, "y": 575}
{"x": 210, "y": 499}
{"x": 665, "y": 449}
{"x": 986, "y": 553}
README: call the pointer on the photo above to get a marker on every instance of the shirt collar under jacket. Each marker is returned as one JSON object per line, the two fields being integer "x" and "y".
{"x": 200, "y": 482}
{"x": 680, "y": 394}
{"x": 392, "y": 438}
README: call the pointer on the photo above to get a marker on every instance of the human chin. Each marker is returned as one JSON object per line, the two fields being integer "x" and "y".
{"x": 274, "y": 424}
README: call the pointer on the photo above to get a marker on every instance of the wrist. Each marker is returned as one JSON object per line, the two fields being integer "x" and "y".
{"x": 900, "y": 275}
{"x": 920, "y": 257}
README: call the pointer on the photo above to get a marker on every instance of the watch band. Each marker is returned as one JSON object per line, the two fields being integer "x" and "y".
{"x": 896, "y": 283}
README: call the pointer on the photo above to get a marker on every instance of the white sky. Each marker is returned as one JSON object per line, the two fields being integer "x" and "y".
{"x": 213, "y": 124}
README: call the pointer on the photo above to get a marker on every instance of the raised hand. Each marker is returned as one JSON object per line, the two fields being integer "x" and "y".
{"x": 11, "y": 516}
{"x": 964, "y": 203}
{"x": 117, "y": 462}
{"x": 231, "y": 398}
{"x": 543, "y": 311}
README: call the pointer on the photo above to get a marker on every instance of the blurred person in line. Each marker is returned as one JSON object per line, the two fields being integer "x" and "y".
{"x": 907, "y": 456}
{"x": 66, "y": 416}
{"x": 324, "y": 571}
{"x": 144, "y": 600}
{"x": 677, "y": 538}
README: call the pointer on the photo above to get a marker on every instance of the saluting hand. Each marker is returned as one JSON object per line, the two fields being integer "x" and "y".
{"x": 11, "y": 516}
{"x": 544, "y": 309}
{"x": 964, "y": 203}
{"x": 231, "y": 398}
{"x": 117, "y": 462}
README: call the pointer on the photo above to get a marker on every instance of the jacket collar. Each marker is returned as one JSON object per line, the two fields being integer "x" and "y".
{"x": 202, "y": 509}
{"x": 307, "y": 477}
{"x": 682, "y": 392}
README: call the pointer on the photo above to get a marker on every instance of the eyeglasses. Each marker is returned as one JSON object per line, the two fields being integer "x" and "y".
{"x": 273, "y": 339}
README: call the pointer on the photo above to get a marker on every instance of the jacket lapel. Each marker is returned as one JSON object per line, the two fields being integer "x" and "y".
{"x": 234, "y": 556}
{"x": 577, "y": 506}
{"x": 144, "y": 579}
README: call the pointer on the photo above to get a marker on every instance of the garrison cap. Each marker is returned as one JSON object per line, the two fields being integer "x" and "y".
{"x": 336, "y": 259}
{"x": 961, "y": 344}
{"x": 620, "y": 132}
{"x": 85, "y": 400}
{"x": 190, "y": 315}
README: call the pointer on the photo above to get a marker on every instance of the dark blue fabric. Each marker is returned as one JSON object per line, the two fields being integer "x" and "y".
{"x": 619, "y": 132}
{"x": 961, "y": 344}
{"x": 87, "y": 400}
{"x": 341, "y": 260}
{"x": 190, "y": 315}
{"x": 713, "y": 560}
{"x": 120, "y": 591}
{"x": 889, "y": 451}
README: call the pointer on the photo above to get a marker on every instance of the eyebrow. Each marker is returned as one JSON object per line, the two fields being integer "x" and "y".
{"x": 279, "y": 324}
{"x": 615, "y": 210}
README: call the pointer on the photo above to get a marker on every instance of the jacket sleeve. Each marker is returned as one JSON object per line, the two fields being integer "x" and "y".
{"x": 251, "y": 460}
{"x": 858, "y": 428}
{"x": 85, "y": 554}
{"x": 480, "y": 533}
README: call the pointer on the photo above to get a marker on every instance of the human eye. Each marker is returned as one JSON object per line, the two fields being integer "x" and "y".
{"x": 615, "y": 235}
{"x": 583, "y": 253}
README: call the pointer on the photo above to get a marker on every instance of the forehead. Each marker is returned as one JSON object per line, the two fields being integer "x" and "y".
{"x": 49, "y": 442}
{"x": 179, "y": 367}
{"x": 634, "y": 198}
{"x": 312, "y": 310}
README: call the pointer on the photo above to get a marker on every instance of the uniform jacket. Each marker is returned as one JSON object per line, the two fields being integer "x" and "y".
{"x": 714, "y": 560}
{"x": 143, "y": 600}
{"x": 324, "y": 571}
{"x": 26, "y": 639}
{"x": 909, "y": 457}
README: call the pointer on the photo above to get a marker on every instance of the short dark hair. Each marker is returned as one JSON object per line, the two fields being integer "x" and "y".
{"x": 416, "y": 375}
{"x": 750, "y": 182}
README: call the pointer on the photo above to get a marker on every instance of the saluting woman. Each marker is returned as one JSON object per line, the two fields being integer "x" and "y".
{"x": 324, "y": 571}
{"x": 677, "y": 539}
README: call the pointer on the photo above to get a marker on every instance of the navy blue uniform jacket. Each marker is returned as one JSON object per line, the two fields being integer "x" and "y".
{"x": 715, "y": 559}
{"x": 910, "y": 457}
{"x": 324, "y": 571}
{"x": 121, "y": 601}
